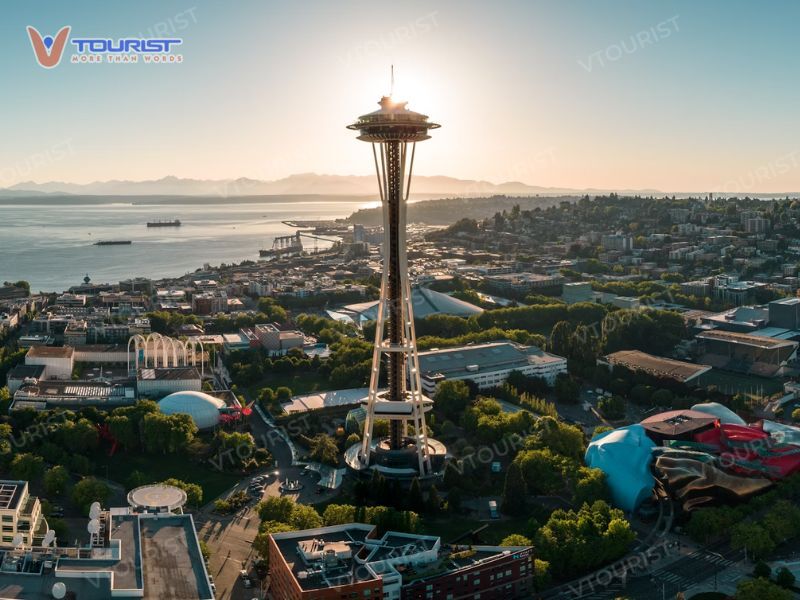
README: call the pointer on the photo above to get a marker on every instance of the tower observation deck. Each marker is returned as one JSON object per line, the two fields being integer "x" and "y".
{"x": 393, "y": 131}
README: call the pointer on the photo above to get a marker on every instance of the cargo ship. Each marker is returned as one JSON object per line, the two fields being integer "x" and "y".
{"x": 164, "y": 223}
{"x": 113, "y": 243}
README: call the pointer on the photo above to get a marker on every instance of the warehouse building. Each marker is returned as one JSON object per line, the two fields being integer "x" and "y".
{"x": 745, "y": 353}
{"x": 488, "y": 365}
{"x": 58, "y": 361}
{"x": 656, "y": 366}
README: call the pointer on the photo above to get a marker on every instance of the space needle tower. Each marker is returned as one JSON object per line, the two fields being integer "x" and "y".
{"x": 407, "y": 452}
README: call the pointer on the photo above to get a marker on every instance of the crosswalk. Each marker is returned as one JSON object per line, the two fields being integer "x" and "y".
{"x": 692, "y": 569}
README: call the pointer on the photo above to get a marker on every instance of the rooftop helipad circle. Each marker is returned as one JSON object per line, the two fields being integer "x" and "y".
{"x": 163, "y": 497}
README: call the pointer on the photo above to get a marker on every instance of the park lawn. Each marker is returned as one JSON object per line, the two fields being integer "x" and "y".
{"x": 158, "y": 468}
{"x": 449, "y": 528}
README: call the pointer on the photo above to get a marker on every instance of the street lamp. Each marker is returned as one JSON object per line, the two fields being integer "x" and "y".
{"x": 718, "y": 555}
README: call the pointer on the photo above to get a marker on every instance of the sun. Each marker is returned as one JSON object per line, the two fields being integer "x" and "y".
{"x": 421, "y": 95}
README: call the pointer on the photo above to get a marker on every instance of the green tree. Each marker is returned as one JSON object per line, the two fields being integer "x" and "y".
{"x": 561, "y": 339}
{"x": 27, "y": 466}
{"x": 124, "y": 430}
{"x": 762, "y": 569}
{"x": 338, "y": 514}
{"x": 5, "y": 400}
{"x": 167, "y": 434}
{"x": 566, "y": 388}
{"x": 89, "y": 490}
{"x": 267, "y": 397}
{"x": 283, "y": 394}
{"x": 80, "y": 437}
{"x": 55, "y": 480}
{"x": 612, "y": 407}
{"x": 304, "y": 516}
{"x": 261, "y": 541}
{"x": 752, "y": 537}
{"x": 434, "y": 503}
{"x": 590, "y": 485}
{"x": 784, "y": 578}
{"x": 515, "y": 539}
{"x": 276, "y": 508}
{"x": 136, "y": 479}
{"x": 451, "y": 398}
{"x": 577, "y": 541}
{"x": 415, "y": 499}
{"x": 323, "y": 449}
{"x": 662, "y": 397}
{"x": 584, "y": 345}
{"x": 194, "y": 493}
{"x": 760, "y": 589}
{"x": 543, "y": 470}
{"x": 515, "y": 491}
{"x": 541, "y": 574}
{"x": 452, "y": 476}
{"x": 561, "y": 438}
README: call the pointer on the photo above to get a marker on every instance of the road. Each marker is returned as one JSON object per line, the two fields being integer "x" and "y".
{"x": 230, "y": 537}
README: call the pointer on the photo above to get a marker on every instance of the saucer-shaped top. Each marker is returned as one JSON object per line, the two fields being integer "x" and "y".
{"x": 393, "y": 122}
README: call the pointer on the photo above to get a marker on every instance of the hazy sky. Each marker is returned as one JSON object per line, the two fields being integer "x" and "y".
{"x": 680, "y": 96}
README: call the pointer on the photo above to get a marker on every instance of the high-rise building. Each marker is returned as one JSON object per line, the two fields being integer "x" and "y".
{"x": 394, "y": 131}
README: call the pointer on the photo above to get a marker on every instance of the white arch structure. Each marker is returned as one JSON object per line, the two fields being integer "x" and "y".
{"x": 159, "y": 351}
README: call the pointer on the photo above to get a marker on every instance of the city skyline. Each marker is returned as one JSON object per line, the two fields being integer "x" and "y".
{"x": 671, "y": 96}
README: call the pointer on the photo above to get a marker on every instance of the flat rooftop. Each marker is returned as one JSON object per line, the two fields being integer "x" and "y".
{"x": 24, "y": 371}
{"x": 493, "y": 356}
{"x": 657, "y": 366}
{"x": 101, "y": 348}
{"x": 678, "y": 422}
{"x": 355, "y": 546}
{"x": 745, "y": 339}
{"x": 74, "y": 389}
{"x": 170, "y": 374}
{"x": 173, "y": 564}
{"x": 306, "y": 574}
{"x": 50, "y": 352}
{"x": 317, "y": 400}
{"x": 11, "y": 494}
{"x": 158, "y": 559}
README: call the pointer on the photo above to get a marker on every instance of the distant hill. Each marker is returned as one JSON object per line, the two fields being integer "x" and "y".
{"x": 304, "y": 183}
{"x": 446, "y": 211}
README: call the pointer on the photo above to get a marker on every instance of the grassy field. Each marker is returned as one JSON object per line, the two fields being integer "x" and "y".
{"x": 158, "y": 468}
{"x": 449, "y": 528}
{"x": 734, "y": 383}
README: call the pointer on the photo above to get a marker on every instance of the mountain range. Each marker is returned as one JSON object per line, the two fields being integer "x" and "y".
{"x": 303, "y": 183}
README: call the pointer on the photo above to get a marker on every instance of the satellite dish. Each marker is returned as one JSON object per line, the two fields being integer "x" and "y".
{"x": 18, "y": 539}
{"x": 49, "y": 537}
{"x": 93, "y": 527}
{"x": 59, "y": 590}
{"x": 94, "y": 510}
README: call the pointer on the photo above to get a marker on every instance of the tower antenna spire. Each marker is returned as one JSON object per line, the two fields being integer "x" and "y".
{"x": 391, "y": 88}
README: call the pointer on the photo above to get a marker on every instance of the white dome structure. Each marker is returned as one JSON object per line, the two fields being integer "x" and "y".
{"x": 203, "y": 409}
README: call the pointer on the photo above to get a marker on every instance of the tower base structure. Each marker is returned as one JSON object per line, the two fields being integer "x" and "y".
{"x": 400, "y": 463}
{"x": 407, "y": 452}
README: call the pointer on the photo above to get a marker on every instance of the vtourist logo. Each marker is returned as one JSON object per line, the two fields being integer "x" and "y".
{"x": 48, "y": 50}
